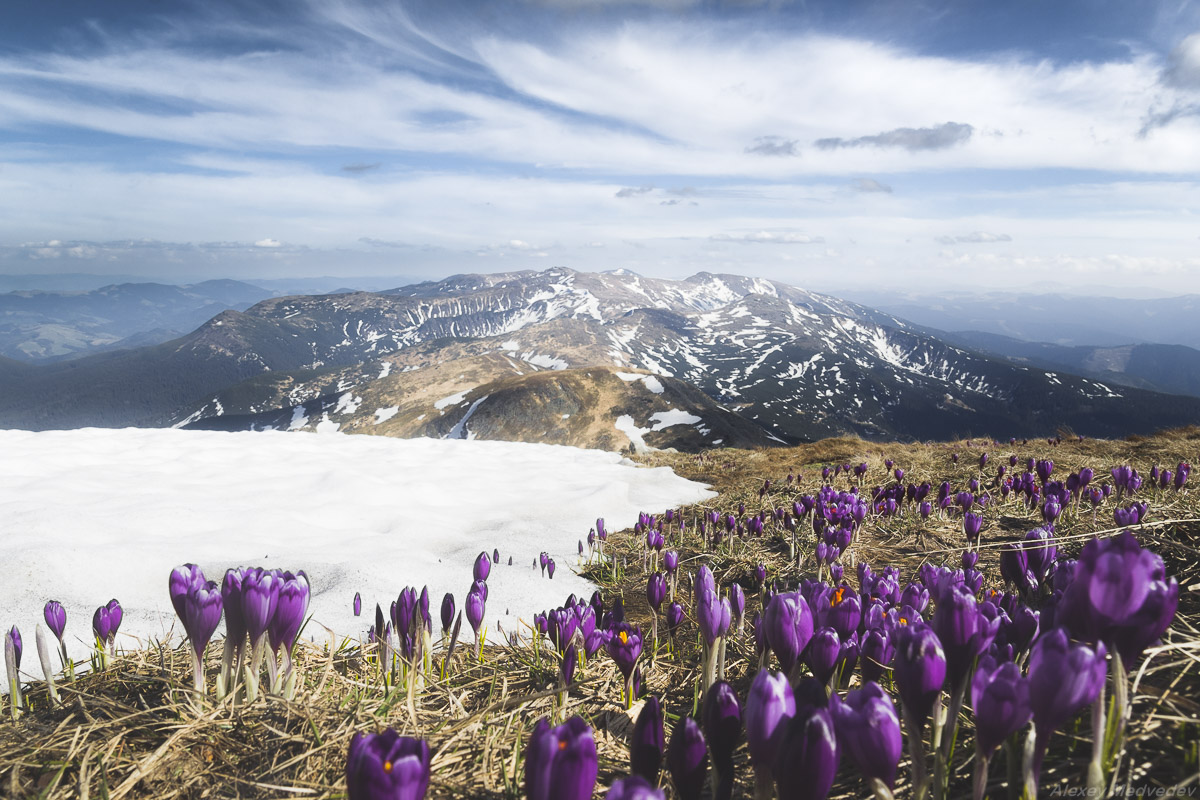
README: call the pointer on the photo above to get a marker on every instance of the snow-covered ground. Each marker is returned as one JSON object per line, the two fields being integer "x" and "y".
{"x": 89, "y": 515}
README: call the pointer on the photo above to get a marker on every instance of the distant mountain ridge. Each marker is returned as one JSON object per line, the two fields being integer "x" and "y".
{"x": 1055, "y": 318}
{"x": 796, "y": 364}
{"x": 40, "y": 325}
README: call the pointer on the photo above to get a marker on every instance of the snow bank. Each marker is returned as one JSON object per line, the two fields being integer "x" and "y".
{"x": 93, "y": 514}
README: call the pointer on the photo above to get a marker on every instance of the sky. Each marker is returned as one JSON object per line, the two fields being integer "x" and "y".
{"x": 882, "y": 144}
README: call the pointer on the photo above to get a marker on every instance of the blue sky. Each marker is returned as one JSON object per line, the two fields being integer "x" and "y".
{"x": 828, "y": 144}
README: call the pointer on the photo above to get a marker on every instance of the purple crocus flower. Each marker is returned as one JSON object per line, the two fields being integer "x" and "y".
{"x": 919, "y": 669}
{"x": 260, "y": 596}
{"x": 387, "y": 766}
{"x": 737, "y": 604}
{"x": 769, "y": 707}
{"x": 231, "y": 601}
{"x": 687, "y": 759}
{"x": 1044, "y": 469}
{"x": 822, "y": 654}
{"x": 972, "y": 524}
{"x": 180, "y": 581}
{"x": 647, "y": 741}
{"x": 634, "y": 787}
{"x": 482, "y": 568}
{"x": 475, "y": 605}
{"x": 868, "y": 730}
{"x": 447, "y": 612}
{"x": 963, "y": 632}
{"x": 56, "y": 618}
{"x": 290, "y": 610}
{"x": 1120, "y": 595}
{"x": 561, "y": 762}
{"x": 624, "y": 646}
{"x": 357, "y": 604}
{"x": 201, "y": 614}
{"x": 656, "y": 590}
{"x": 788, "y": 622}
{"x": 722, "y": 716}
{"x": 1063, "y": 678}
{"x": 14, "y": 637}
{"x": 877, "y": 653}
{"x": 671, "y": 561}
{"x": 1000, "y": 697}
{"x": 808, "y": 754}
{"x": 106, "y": 620}
{"x": 550, "y": 568}
{"x": 712, "y": 611}
{"x": 675, "y": 617}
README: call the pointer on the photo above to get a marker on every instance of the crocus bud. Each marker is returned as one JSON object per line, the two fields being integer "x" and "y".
{"x": 260, "y": 596}
{"x": 687, "y": 759}
{"x": 290, "y": 610}
{"x": 357, "y": 604}
{"x": 868, "y": 730}
{"x": 788, "y": 623}
{"x": 919, "y": 669}
{"x": 550, "y": 568}
{"x": 656, "y": 590}
{"x": 475, "y": 605}
{"x": 56, "y": 618}
{"x": 561, "y": 762}
{"x": 769, "y": 707}
{"x": 180, "y": 581}
{"x": 647, "y": 742}
{"x": 634, "y": 787}
{"x": 808, "y": 754}
{"x": 722, "y": 714}
{"x": 1063, "y": 678}
{"x": 447, "y": 612}
{"x": 387, "y": 766}
{"x": 482, "y": 568}
{"x": 201, "y": 614}
{"x": 1000, "y": 697}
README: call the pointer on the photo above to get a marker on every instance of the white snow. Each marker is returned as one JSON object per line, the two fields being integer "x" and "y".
{"x": 299, "y": 418}
{"x": 347, "y": 404}
{"x": 451, "y": 400}
{"x": 385, "y": 370}
{"x": 326, "y": 425}
{"x": 384, "y": 414}
{"x": 459, "y": 431}
{"x": 649, "y": 381}
{"x": 665, "y": 419}
{"x": 627, "y": 426}
{"x": 94, "y": 514}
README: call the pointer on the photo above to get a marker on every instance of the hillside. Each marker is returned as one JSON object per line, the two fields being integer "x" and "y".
{"x": 798, "y": 364}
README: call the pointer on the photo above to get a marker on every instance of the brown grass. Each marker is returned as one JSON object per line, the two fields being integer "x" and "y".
{"x": 133, "y": 730}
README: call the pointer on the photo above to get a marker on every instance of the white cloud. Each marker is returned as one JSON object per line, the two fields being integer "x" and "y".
{"x": 268, "y": 243}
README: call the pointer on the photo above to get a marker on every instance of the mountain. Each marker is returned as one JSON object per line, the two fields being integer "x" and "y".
{"x": 1062, "y": 319}
{"x": 1170, "y": 368}
{"x": 799, "y": 365}
{"x": 46, "y": 325}
{"x": 592, "y": 407}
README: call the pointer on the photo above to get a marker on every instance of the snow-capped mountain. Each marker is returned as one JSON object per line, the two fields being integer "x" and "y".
{"x": 798, "y": 364}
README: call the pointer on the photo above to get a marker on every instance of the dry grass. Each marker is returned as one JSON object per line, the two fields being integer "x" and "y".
{"x": 133, "y": 731}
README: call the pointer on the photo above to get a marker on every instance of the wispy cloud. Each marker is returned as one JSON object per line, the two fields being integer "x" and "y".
{"x": 773, "y": 146}
{"x": 975, "y": 237}
{"x": 767, "y": 237}
{"x": 938, "y": 137}
{"x": 360, "y": 168}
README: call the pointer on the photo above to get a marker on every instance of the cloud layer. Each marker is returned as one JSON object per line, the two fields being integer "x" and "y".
{"x": 665, "y": 141}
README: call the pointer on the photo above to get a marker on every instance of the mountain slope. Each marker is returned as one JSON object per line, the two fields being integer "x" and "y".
{"x": 798, "y": 364}
{"x": 40, "y": 325}
{"x": 1170, "y": 368}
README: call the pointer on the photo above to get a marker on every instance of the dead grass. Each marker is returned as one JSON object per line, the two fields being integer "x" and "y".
{"x": 133, "y": 731}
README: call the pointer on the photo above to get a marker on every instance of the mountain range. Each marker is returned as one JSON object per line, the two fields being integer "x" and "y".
{"x": 40, "y": 325}
{"x": 614, "y": 360}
